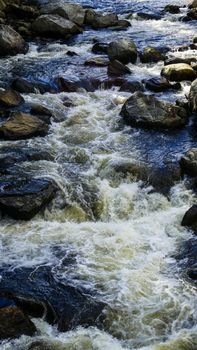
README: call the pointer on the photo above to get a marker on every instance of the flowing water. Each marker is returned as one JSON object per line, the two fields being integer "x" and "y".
{"x": 122, "y": 235}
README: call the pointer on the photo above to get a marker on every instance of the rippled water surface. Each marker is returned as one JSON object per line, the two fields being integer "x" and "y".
{"x": 122, "y": 234}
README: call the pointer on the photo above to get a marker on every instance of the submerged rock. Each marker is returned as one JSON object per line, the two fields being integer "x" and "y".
{"x": 24, "y": 198}
{"x": 188, "y": 162}
{"x": 14, "y": 323}
{"x": 21, "y": 126}
{"x": 55, "y": 26}
{"x": 122, "y": 50}
{"x": 10, "y": 98}
{"x": 192, "y": 98}
{"x": 147, "y": 111}
{"x": 151, "y": 54}
{"x": 11, "y": 42}
{"x": 178, "y": 72}
{"x": 40, "y": 293}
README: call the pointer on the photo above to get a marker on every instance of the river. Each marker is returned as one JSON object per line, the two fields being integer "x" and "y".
{"x": 121, "y": 236}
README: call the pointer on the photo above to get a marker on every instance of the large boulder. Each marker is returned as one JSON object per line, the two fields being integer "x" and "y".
{"x": 73, "y": 12}
{"x": 188, "y": 162}
{"x": 53, "y": 298}
{"x": 11, "y": 42}
{"x": 55, "y": 26}
{"x": 24, "y": 198}
{"x": 21, "y": 126}
{"x": 193, "y": 96}
{"x": 28, "y": 86}
{"x": 178, "y": 72}
{"x": 14, "y": 323}
{"x": 147, "y": 111}
{"x": 122, "y": 50}
{"x": 10, "y": 98}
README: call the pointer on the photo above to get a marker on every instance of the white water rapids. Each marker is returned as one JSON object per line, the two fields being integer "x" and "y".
{"x": 122, "y": 234}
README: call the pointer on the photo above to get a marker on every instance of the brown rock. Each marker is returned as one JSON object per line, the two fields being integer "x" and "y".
{"x": 10, "y": 98}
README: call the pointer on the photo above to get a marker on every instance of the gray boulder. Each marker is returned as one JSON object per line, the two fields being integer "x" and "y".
{"x": 147, "y": 111}
{"x": 73, "y": 12}
{"x": 193, "y": 96}
{"x": 122, "y": 50}
{"x": 178, "y": 72}
{"x": 11, "y": 42}
{"x": 55, "y": 26}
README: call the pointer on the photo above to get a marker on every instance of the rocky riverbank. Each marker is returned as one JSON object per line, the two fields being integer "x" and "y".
{"x": 37, "y": 100}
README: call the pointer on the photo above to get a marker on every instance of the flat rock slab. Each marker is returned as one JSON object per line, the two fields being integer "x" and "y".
{"x": 22, "y": 126}
{"x": 38, "y": 292}
{"x": 147, "y": 111}
{"x": 24, "y": 198}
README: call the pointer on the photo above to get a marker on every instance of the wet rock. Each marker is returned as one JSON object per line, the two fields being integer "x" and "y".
{"x": 97, "y": 61}
{"x": 172, "y": 9}
{"x": 43, "y": 345}
{"x": 100, "y": 48}
{"x": 161, "y": 84}
{"x": 41, "y": 110}
{"x": 148, "y": 16}
{"x": 11, "y": 42}
{"x": 55, "y": 26}
{"x": 116, "y": 68}
{"x": 193, "y": 4}
{"x": 10, "y": 98}
{"x": 40, "y": 293}
{"x": 90, "y": 14}
{"x": 188, "y": 162}
{"x": 21, "y": 126}
{"x": 122, "y": 50}
{"x": 195, "y": 40}
{"x": 147, "y": 111}
{"x": 192, "y": 14}
{"x": 104, "y": 21}
{"x": 190, "y": 218}
{"x": 23, "y": 198}
{"x": 192, "y": 97}
{"x": 151, "y": 54}
{"x": 73, "y": 12}
{"x": 122, "y": 24}
{"x": 89, "y": 83}
{"x": 132, "y": 86}
{"x": 22, "y": 11}
{"x": 178, "y": 72}
{"x": 13, "y": 323}
{"x": 161, "y": 178}
{"x": 26, "y": 86}
{"x": 175, "y": 60}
